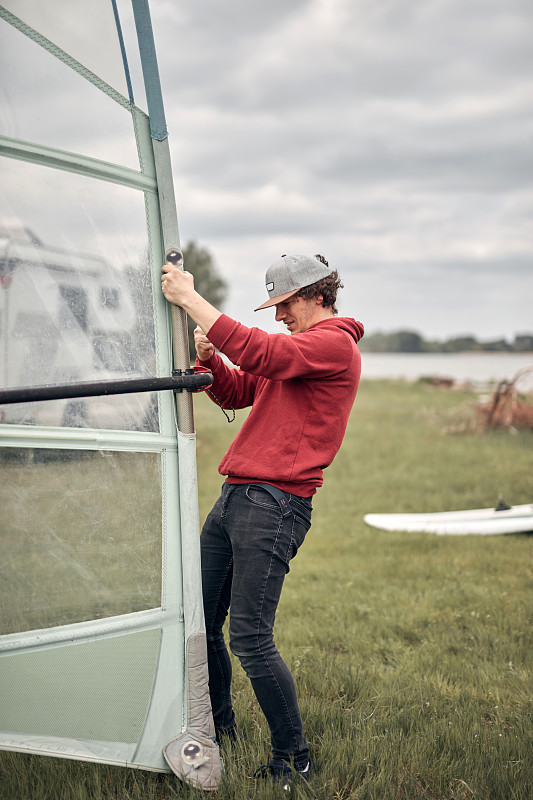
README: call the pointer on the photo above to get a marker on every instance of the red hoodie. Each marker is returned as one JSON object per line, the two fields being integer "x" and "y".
{"x": 301, "y": 389}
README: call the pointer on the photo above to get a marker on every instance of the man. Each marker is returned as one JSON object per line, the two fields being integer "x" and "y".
{"x": 301, "y": 388}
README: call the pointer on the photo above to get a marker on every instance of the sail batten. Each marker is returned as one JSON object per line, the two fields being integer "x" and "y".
{"x": 77, "y": 163}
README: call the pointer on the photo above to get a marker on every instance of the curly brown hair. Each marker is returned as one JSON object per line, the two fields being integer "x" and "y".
{"x": 327, "y": 287}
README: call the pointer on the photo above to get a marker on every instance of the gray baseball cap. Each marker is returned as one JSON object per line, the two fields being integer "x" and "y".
{"x": 289, "y": 274}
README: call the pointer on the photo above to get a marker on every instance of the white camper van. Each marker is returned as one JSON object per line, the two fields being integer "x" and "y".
{"x": 66, "y": 317}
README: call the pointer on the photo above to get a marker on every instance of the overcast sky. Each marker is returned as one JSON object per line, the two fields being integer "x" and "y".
{"x": 393, "y": 136}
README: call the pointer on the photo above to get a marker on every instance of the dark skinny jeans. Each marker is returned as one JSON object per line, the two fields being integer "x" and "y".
{"x": 247, "y": 542}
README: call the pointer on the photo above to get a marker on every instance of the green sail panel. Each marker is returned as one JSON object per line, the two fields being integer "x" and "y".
{"x": 102, "y": 639}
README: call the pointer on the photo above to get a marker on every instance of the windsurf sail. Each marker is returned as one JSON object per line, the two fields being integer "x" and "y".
{"x": 102, "y": 642}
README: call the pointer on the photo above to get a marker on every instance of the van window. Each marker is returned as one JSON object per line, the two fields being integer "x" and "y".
{"x": 109, "y": 353}
{"x": 76, "y": 302}
{"x": 109, "y": 297}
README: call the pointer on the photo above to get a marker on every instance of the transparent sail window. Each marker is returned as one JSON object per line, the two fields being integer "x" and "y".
{"x": 87, "y": 31}
{"x": 76, "y": 298}
{"x": 81, "y": 536}
{"x": 46, "y": 102}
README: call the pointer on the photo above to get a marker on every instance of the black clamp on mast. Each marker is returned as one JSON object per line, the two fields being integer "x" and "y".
{"x": 178, "y": 373}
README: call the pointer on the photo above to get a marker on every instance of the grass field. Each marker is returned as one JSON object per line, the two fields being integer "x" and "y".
{"x": 412, "y": 653}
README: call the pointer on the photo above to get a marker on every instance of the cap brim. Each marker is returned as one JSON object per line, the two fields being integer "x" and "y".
{"x": 273, "y": 301}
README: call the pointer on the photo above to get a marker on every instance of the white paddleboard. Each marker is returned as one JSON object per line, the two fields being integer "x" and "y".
{"x": 481, "y": 521}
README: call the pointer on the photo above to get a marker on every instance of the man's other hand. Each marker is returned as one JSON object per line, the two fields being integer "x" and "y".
{"x": 204, "y": 348}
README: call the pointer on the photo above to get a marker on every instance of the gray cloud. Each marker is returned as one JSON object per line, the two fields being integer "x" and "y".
{"x": 393, "y": 136}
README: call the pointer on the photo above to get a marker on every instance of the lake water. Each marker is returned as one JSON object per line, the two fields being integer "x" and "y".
{"x": 479, "y": 369}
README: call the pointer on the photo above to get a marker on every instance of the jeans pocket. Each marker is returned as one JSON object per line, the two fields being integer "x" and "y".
{"x": 260, "y": 497}
{"x": 299, "y": 531}
{"x": 301, "y": 507}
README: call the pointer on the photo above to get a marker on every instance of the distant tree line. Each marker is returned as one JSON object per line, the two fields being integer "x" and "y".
{"x": 207, "y": 281}
{"x": 412, "y": 342}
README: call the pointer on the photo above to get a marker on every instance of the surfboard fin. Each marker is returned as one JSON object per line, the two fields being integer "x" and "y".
{"x": 502, "y": 505}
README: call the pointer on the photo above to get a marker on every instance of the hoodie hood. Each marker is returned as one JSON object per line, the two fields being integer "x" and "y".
{"x": 354, "y": 328}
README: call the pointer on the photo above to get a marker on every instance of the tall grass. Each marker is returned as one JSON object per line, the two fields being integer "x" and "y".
{"x": 412, "y": 653}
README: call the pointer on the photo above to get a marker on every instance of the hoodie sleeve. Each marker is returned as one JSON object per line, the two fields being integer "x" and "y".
{"x": 233, "y": 388}
{"x": 321, "y": 351}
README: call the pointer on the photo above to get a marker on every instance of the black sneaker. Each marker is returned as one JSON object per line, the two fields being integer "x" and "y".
{"x": 283, "y": 773}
